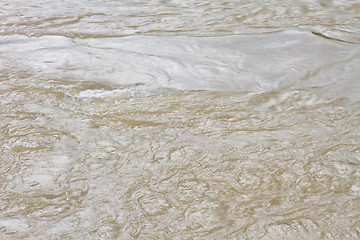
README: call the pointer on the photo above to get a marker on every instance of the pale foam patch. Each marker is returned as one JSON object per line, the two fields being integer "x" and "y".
{"x": 101, "y": 93}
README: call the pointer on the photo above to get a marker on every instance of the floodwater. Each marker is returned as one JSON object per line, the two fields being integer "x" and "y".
{"x": 179, "y": 119}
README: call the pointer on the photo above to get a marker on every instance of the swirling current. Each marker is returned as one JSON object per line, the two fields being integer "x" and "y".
{"x": 170, "y": 119}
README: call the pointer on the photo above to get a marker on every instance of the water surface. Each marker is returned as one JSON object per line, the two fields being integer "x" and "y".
{"x": 180, "y": 119}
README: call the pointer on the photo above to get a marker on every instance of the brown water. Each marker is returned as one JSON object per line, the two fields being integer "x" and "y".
{"x": 179, "y": 119}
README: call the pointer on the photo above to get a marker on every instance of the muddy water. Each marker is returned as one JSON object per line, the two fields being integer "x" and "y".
{"x": 180, "y": 119}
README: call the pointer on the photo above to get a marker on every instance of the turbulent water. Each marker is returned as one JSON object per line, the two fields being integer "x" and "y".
{"x": 179, "y": 119}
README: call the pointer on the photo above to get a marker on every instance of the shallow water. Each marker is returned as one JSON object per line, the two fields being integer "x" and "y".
{"x": 180, "y": 120}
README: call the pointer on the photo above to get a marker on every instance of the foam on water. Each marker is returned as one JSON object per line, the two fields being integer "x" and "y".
{"x": 104, "y": 93}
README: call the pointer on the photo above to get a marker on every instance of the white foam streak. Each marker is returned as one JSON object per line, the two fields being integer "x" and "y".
{"x": 104, "y": 93}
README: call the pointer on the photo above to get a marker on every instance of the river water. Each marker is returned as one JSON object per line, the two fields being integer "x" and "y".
{"x": 179, "y": 119}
